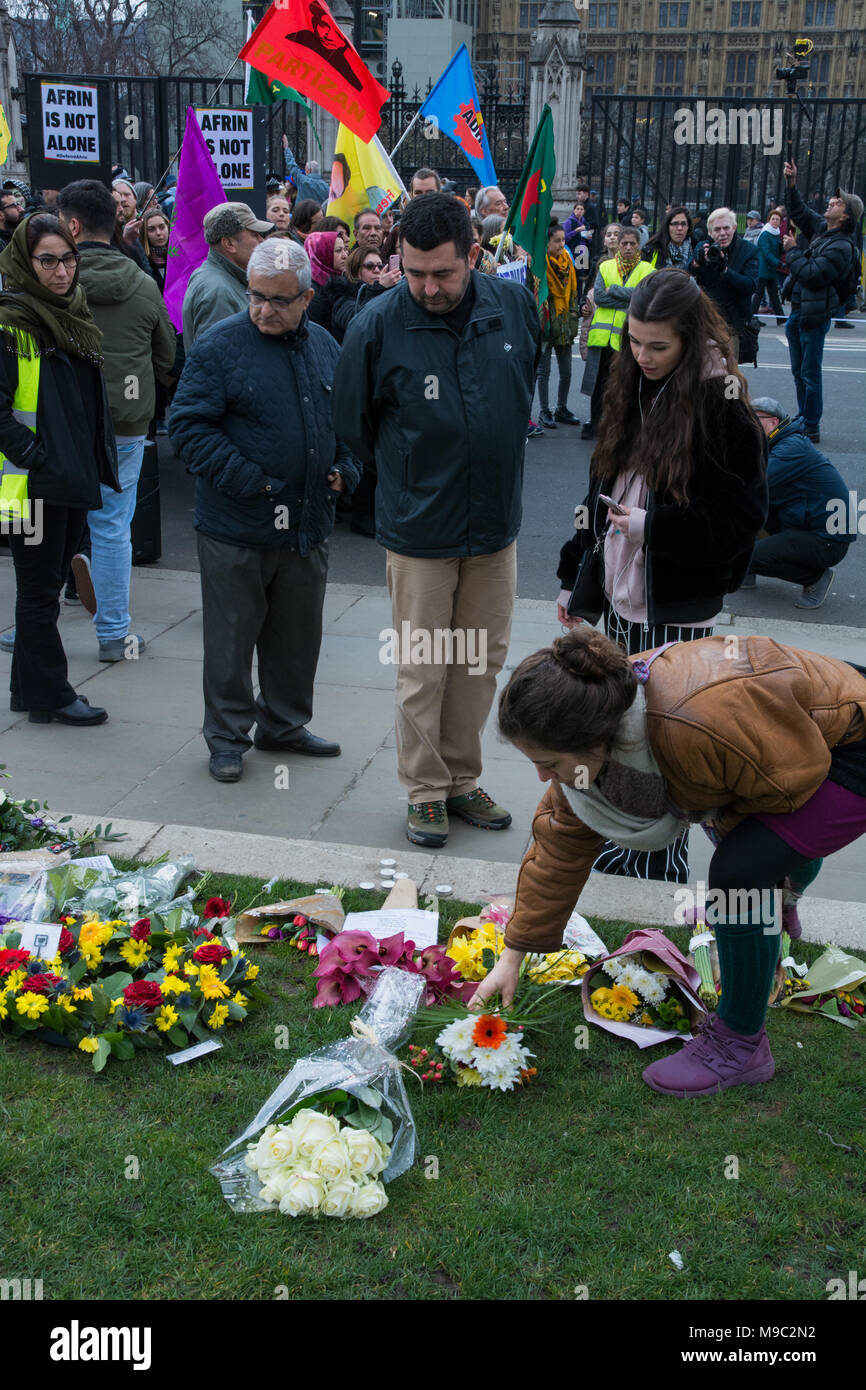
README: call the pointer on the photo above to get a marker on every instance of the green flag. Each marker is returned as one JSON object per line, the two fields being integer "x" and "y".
{"x": 262, "y": 92}
{"x": 531, "y": 206}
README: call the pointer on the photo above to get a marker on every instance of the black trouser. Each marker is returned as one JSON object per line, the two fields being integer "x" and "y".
{"x": 770, "y": 285}
{"x": 604, "y": 366}
{"x": 267, "y": 601}
{"x": 800, "y": 557}
{"x": 563, "y": 361}
{"x": 39, "y": 678}
{"x": 751, "y": 856}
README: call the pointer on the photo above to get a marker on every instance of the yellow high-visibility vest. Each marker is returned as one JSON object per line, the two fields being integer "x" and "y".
{"x": 606, "y": 327}
{"x": 13, "y": 480}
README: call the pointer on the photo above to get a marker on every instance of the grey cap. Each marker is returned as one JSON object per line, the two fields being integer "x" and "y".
{"x": 768, "y": 406}
{"x": 755, "y": 213}
{"x": 227, "y": 219}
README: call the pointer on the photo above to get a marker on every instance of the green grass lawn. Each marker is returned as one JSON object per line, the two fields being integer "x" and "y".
{"x": 584, "y": 1180}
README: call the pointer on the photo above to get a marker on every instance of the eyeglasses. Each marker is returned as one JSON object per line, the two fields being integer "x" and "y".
{"x": 277, "y": 301}
{"x": 372, "y": 265}
{"x": 678, "y": 222}
{"x": 69, "y": 260}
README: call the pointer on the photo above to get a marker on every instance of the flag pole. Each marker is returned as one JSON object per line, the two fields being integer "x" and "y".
{"x": 405, "y": 133}
{"x": 176, "y": 155}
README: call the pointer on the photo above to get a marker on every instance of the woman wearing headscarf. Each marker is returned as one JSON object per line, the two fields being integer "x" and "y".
{"x": 56, "y": 448}
{"x": 328, "y": 253}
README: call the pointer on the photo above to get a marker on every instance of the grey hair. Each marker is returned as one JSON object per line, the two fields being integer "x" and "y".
{"x": 491, "y": 226}
{"x": 313, "y": 166}
{"x": 279, "y": 254}
{"x": 481, "y": 198}
{"x": 226, "y": 223}
{"x": 716, "y": 216}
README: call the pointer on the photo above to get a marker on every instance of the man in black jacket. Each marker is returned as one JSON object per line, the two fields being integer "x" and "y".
{"x": 251, "y": 420}
{"x": 726, "y": 268}
{"x": 820, "y": 276}
{"x": 434, "y": 385}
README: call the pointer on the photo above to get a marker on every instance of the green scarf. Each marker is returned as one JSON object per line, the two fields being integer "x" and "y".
{"x": 56, "y": 322}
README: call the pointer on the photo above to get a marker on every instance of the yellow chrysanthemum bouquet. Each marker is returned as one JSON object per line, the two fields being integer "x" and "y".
{"x": 476, "y": 944}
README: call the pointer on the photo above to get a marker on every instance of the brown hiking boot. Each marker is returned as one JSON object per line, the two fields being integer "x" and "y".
{"x": 427, "y": 824}
{"x": 479, "y": 809}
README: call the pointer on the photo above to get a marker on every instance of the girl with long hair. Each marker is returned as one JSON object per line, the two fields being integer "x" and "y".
{"x": 560, "y": 324}
{"x": 764, "y": 746}
{"x": 671, "y": 246}
{"x": 683, "y": 455}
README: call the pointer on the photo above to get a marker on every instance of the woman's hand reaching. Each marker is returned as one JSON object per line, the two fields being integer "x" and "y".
{"x": 503, "y": 979}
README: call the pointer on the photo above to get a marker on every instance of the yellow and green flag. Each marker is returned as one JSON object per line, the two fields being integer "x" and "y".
{"x": 362, "y": 176}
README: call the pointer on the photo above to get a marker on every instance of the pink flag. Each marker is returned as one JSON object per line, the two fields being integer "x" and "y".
{"x": 198, "y": 190}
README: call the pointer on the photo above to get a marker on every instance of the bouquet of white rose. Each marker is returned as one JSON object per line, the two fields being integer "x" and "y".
{"x": 316, "y": 1166}
{"x": 337, "y": 1122}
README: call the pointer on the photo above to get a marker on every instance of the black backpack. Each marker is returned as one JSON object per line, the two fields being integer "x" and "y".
{"x": 847, "y": 285}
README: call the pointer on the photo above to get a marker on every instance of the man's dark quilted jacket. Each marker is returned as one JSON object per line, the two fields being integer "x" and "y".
{"x": 819, "y": 269}
{"x": 252, "y": 421}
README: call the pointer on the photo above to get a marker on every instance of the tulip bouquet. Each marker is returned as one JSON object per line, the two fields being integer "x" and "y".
{"x": 350, "y": 963}
{"x": 116, "y": 986}
{"x": 297, "y": 932}
{"x": 339, "y": 1121}
{"x": 326, "y": 1161}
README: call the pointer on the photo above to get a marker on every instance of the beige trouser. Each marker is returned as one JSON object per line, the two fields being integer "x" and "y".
{"x": 442, "y": 610}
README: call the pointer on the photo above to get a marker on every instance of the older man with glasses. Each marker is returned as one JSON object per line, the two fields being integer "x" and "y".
{"x": 251, "y": 419}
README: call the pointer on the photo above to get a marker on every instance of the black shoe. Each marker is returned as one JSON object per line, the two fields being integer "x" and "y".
{"x": 815, "y": 438}
{"x": 565, "y": 416}
{"x": 587, "y": 432}
{"x": 844, "y": 323}
{"x": 301, "y": 742}
{"x": 226, "y": 767}
{"x": 79, "y": 712}
{"x": 546, "y": 420}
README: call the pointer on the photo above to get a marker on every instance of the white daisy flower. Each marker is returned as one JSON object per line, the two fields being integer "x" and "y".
{"x": 502, "y": 1076}
{"x": 629, "y": 975}
{"x": 455, "y": 1040}
{"x": 656, "y": 989}
{"x": 613, "y": 967}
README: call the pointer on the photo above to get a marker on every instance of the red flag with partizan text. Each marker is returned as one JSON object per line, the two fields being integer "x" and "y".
{"x": 300, "y": 43}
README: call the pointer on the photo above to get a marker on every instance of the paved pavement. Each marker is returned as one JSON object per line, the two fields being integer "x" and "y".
{"x": 146, "y": 769}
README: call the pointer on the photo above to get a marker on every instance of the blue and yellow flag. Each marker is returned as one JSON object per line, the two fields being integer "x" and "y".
{"x": 453, "y": 106}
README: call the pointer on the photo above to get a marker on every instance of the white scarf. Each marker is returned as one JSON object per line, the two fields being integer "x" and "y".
{"x": 631, "y": 748}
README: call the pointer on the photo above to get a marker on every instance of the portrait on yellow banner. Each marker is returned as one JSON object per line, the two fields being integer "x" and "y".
{"x": 5, "y": 135}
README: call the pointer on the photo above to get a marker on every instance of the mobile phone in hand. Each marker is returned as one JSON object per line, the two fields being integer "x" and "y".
{"x": 614, "y": 506}
{"x": 393, "y": 262}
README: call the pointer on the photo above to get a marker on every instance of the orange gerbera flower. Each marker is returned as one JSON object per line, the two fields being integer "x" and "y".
{"x": 488, "y": 1031}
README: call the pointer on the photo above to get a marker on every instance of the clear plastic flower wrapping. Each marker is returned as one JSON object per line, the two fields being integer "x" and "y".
{"x": 348, "y": 1065}
{"x": 131, "y": 894}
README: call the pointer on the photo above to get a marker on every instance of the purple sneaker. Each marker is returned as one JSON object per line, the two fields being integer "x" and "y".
{"x": 791, "y": 922}
{"x": 716, "y": 1059}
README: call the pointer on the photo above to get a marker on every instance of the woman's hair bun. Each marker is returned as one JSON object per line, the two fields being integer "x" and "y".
{"x": 589, "y": 654}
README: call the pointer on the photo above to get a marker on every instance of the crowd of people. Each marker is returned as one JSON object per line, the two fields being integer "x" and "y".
{"x": 322, "y": 367}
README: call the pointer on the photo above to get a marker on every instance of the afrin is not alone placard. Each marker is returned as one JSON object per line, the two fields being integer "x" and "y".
{"x": 228, "y": 133}
{"x": 70, "y": 123}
